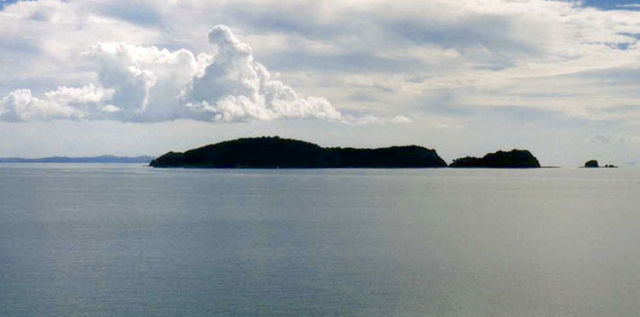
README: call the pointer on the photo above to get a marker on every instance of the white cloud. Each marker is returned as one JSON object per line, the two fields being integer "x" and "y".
{"x": 538, "y": 70}
{"x": 369, "y": 119}
{"x": 236, "y": 88}
{"x": 629, "y": 5}
{"x": 62, "y": 103}
{"x": 148, "y": 84}
{"x": 327, "y": 48}
{"x": 146, "y": 81}
{"x": 374, "y": 58}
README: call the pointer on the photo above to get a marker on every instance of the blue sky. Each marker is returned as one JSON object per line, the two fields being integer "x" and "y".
{"x": 131, "y": 77}
{"x": 609, "y": 4}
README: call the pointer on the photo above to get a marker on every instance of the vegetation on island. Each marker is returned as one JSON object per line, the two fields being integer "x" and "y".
{"x": 275, "y": 152}
{"x": 501, "y": 159}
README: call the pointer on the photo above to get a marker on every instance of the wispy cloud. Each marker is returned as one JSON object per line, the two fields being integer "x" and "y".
{"x": 629, "y": 5}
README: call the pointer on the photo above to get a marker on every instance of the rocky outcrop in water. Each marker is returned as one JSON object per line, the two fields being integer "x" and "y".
{"x": 591, "y": 164}
{"x": 594, "y": 164}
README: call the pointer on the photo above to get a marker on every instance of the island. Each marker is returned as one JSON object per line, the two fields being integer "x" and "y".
{"x": 594, "y": 164}
{"x": 591, "y": 164}
{"x": 501, "y": 159}
{"x": 276, "y": 152}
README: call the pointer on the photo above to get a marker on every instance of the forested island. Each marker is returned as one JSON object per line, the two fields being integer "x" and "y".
{"x": 276, "y": 152}
{"x": 501, "y": 159}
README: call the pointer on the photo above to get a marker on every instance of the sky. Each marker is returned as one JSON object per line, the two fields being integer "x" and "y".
{"x": 136, "y": 77}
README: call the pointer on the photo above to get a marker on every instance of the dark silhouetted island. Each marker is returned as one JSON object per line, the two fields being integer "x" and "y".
{"x": 594, "y": 164}
{"x": 591, "y": 164}
{"x": 500, "y": 159}
{"x": 275, "y": 152}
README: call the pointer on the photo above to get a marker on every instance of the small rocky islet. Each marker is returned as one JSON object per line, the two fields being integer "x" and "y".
{"x": 594, "y": 164}
{"x": 276, "y": 152}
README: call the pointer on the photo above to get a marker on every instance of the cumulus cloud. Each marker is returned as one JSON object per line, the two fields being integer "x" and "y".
{"x": 235, "y": 87}
{"x": 148, "y": 84}
{"x": 502, "y": 53}
{"x": 146, "y": 81}
{"x": 62, "y": 103}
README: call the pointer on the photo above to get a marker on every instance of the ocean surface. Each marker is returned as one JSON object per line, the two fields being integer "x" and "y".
{"x": 128, "y": 240}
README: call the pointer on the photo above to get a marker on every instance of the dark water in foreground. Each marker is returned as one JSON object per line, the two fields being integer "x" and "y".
{"x": 126, "y": 240}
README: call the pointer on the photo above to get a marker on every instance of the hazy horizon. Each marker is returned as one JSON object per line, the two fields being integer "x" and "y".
{"x": 448, "y": 160}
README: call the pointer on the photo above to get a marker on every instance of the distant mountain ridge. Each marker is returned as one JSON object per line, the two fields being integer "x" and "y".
{"x": 276, "y": 152}
{"x": 90, "y": 159}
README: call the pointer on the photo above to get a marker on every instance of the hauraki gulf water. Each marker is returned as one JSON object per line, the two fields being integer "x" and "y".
{"x": 129, "y": 240}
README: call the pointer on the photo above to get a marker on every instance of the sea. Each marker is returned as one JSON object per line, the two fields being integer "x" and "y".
{"x": 129, "y": 240}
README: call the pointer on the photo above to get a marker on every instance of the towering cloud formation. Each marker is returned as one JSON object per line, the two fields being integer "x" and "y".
{"x": 147, "y": 84}
{"x": 235, "y": 87}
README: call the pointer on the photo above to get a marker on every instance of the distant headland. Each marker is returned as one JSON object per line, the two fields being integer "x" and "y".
{"x": 276, "y": 152}
{"x": 89, "y": 159}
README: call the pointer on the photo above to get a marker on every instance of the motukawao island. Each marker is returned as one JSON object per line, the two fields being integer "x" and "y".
{"x": 276, "y": 152}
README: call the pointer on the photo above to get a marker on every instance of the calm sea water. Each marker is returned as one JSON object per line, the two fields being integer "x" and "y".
{"x": 127, "y": 240}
